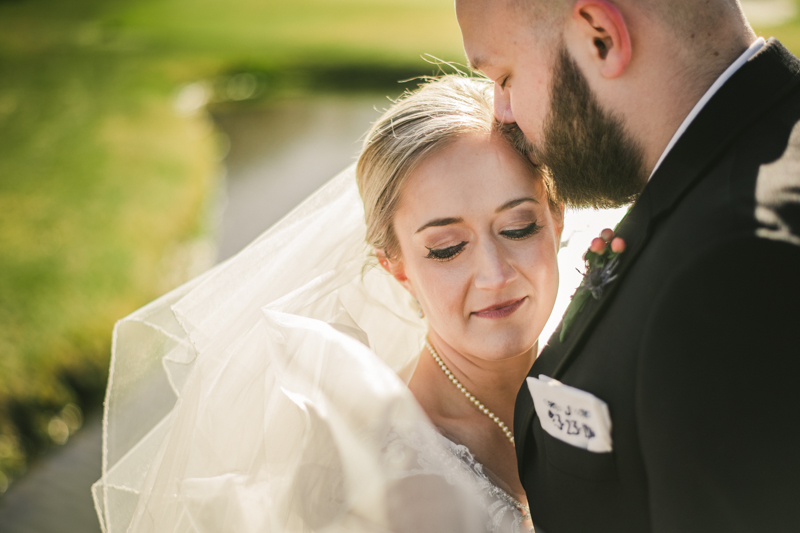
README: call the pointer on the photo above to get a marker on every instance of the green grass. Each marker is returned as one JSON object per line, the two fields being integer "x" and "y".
{"x": 788, "y": 34}
{"x": 103, "y": 186}
{"x": 99, "y": 179}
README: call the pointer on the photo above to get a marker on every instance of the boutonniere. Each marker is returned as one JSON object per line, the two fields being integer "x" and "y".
{"x": 602, "y": 260}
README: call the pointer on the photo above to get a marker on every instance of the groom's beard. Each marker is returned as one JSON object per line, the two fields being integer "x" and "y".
{"x": 592, "y": 160}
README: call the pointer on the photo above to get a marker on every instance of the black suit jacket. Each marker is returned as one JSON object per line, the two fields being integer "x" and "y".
{"x": 696, "y": 346}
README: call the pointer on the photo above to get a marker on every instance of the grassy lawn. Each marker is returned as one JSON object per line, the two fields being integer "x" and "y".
{"x": 104, "y": 187}
{"x": 100, "y": 182}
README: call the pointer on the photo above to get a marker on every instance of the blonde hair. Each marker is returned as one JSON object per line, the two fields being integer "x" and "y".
{"x": 416, "y": 126}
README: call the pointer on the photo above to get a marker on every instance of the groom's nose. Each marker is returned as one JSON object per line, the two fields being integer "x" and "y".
{"x": 502, "y": 105}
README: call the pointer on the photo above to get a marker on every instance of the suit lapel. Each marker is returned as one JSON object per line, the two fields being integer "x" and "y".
{"x": 760, "y": 84}
{"x": 633, "y": 229}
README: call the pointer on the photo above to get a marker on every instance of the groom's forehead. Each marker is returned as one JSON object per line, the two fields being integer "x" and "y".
{"x": 508, "y": 11}
{"x": 487, "y": 50}
{"x": 484, "y": 33}
{"x": 492, "y": 29}
{"x": 482, "y": 18}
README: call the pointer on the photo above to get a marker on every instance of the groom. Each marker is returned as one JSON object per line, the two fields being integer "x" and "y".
{"x": 685, "y": 355}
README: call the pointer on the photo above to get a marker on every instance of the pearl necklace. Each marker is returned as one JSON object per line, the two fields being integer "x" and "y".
{"x": 485, "y": 410}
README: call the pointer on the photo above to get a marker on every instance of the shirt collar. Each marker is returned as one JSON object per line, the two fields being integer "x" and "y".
{"x": 736, "y": 65}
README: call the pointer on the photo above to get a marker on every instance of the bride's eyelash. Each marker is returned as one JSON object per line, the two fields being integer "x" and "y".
{"x": 523, "y": 233}
{"x": 445, "y": 254}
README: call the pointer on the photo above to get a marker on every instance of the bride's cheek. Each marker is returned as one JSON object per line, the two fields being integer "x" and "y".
{"x": 447, "y": 292}
{"x": 542, "y": 269}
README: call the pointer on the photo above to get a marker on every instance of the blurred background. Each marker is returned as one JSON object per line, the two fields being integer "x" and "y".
{"x": 141, "y": 141}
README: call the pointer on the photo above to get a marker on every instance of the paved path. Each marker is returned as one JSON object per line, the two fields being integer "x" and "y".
{"x": 278, "y": 156}
{"x": 281, "y": 154}
{"x": 55, "y": 494}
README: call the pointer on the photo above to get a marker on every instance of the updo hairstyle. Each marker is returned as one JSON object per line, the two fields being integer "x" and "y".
{"x": 420, "y": 123}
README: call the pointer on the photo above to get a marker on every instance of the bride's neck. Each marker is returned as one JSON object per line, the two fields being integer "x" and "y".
{"x": 494, "y": 382}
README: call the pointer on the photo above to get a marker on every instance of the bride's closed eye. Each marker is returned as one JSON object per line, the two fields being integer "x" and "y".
{"x": 522, "y": 233}
{"x": 445, "y": 254}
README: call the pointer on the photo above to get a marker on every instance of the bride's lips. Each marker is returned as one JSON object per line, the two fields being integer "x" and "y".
{"x": 500, "y": 310}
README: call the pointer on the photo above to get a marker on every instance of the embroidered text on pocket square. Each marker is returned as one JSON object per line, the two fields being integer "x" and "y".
{"x": 571, "y": 415}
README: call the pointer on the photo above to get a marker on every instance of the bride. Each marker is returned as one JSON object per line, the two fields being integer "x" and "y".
{"x": 300, "y": 387}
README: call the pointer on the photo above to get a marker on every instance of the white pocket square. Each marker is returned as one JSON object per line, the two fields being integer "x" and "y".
{"x": 571, "y": 415}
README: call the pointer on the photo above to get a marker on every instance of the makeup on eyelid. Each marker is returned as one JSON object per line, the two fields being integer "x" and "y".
{"x": 446, "y": 253}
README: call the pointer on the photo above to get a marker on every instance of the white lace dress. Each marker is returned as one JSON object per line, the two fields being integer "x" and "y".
{"x": 505, "y": 513}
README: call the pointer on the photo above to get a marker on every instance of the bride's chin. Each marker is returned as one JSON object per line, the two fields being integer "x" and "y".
{"x": 504, "y": 347}
{"x": 519, "y": 332}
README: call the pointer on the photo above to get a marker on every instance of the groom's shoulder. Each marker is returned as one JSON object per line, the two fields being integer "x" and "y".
{"x": 737, "y": 168}
{"x": 758, "y": 170}
{"x": 764, "y": 171}
{"x": 777, "y": 193}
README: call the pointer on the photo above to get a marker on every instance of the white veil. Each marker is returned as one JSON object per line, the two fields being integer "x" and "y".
{"x": 247, "y": 399}
{"x": 268, "y": 394}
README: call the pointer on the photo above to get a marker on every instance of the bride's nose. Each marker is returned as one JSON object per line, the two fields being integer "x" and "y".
{"x": 493, "y": 270}
{"x": 502, "y": 105}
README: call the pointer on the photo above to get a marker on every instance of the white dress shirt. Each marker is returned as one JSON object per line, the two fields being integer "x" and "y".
{"x": 736, "y": 65}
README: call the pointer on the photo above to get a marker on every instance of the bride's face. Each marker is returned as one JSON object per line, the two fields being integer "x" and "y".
{"x": 478, "y": 246}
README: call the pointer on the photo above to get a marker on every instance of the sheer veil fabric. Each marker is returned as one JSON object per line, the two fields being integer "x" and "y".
{"x": 269, "y": 395}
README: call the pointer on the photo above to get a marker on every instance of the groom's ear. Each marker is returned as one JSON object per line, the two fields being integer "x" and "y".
{"x": 604, "y": 32}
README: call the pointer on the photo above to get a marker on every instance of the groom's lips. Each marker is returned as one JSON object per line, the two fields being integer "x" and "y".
{"x": 500, "y": 310}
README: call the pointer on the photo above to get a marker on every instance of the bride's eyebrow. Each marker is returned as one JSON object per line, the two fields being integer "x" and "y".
{"x": 514, "y": 203}
{"x": 440, "y": 222}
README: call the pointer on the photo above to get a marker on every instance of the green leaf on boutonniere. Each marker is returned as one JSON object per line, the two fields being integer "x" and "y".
{"x": 600, "y": 272}
{"x": 578, "y": 301}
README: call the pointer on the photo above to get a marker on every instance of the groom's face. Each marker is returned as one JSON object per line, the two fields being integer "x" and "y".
{"x": 518, "y": 58}
{"x": 593, "y": 160}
